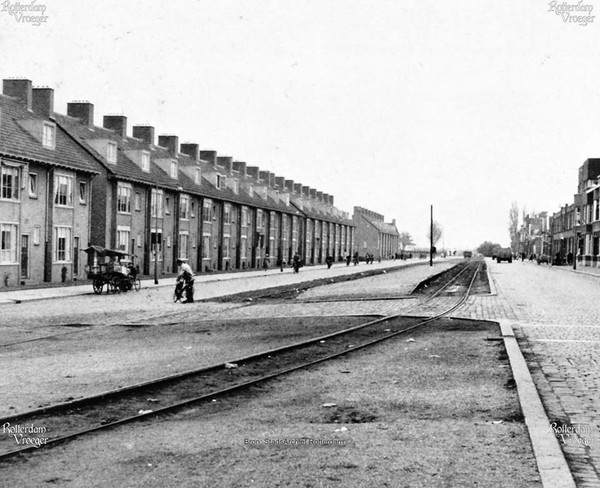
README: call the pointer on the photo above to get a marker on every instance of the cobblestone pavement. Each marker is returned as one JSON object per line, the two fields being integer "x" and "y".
{"x": 556, "y": 318}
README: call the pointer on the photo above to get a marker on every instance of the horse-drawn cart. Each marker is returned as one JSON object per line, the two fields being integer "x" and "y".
{"x": 117, "y": 274}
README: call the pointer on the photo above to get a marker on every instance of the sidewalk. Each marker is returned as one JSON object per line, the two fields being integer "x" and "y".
{"x": 277, "y": 278}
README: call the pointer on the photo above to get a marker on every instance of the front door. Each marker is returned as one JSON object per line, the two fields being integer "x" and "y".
{"x": 76, "y": 256}
{"x": 24, "y": 256}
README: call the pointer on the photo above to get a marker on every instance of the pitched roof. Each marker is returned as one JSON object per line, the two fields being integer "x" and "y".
{"x": 17, "y": 142}
{"x": 382, "y": 226}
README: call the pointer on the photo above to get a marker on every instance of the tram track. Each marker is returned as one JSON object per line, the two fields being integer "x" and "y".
{"x": 83, "y": 416}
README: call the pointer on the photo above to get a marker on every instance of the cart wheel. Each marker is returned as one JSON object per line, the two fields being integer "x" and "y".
{"x": 115, "y": 285}
{"x": 97, "y": 284}
{"x": 137, "y": 284}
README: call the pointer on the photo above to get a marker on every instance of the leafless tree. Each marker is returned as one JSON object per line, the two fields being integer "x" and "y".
{"x": 513, "y": 226}
{"x": 406, "y": 240}
{"x": 438, "y": 232}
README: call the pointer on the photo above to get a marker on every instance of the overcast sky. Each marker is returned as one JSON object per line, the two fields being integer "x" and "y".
{"x": 389, "y": 105}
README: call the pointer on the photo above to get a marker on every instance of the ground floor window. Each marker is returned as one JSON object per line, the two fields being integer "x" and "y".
{"x": 62, "y": 244}
{"x": 123, "y": 238}
{"x": 243, "y": 247}
{"x": 205, "y": 247}
{"x": 183, "y": 246}
{"x": 8, "y": 249}
{"x": 226, "y": 244}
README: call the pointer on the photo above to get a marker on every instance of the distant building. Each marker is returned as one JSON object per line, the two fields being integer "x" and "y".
{"x": 374, "y": 235}
{"x": 587, "y": 214}
{"x": 534, "y": 235}
{"x": 562, "y": 225}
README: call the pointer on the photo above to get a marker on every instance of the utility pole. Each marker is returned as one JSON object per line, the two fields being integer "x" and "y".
{"x": 431, "y": 239}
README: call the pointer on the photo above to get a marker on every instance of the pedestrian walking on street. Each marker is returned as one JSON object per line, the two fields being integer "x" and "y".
{"x": 355, "y": 258}
{"x": 266, "y": 262}
{"x": 329, "y": 261}
{"x": 296, "y": 262}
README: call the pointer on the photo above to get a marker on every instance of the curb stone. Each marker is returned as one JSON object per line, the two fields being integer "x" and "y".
{"x": 552, "y": 465}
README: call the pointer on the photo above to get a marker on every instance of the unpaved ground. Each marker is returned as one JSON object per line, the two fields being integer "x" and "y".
{"x": 104, "y": 358}
{"x": 437, "y": 411}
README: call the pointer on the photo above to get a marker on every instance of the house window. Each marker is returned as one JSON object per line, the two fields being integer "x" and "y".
{"x": 173, "y": 169}
{"x": 221, "y": 181}
{"x": 207, "y": 211}
{"x": 36, "y": 235}
{"x": 63, "y": 190}
{"x": 183, "y": 246}
{"x": 259, "y": 219}
{"x": 227, "y": 214}
{"x": 226, "y": 244}
{"x": 111, "y": 152}
{"x": 138, "y": 201}
{"x": 8, "y": 249}
{"x": 62, "y": 244}
{"x": 205, "y": 247}
{"x": 139, "y": 240}
{"x": 236, "y": 186}
{"x": 197, "y": 176}
{"x": 184, "y": 207}
{"x": 146, "y": 162}
{"x": 49, "y": 135}
{"x": 192, "y": 209}
{"x": 244, "y": 220}
{"x": 10, "y": 182}
{"x": 156, "y": 203}
{"x": 82, "y": 192}
{"x": 243, "y": 246}
{"x": 123, "y": 198}
{"x": 167, "y": 206}
{"x": 123, "y": 238}
{"x": 33, "y": 185}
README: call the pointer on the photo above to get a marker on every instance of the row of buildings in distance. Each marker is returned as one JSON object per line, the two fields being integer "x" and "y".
{"x": 67, "y": 184}
{"x": 571, "y": 235}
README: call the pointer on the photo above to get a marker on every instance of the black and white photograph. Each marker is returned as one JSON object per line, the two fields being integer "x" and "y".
{"x": 299, "y": 244}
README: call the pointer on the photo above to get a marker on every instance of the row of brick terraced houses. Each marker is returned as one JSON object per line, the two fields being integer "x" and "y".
{"x": 575, "y": 228}
{"x": 571, "y": 235}
{"x": 68, "y": 184}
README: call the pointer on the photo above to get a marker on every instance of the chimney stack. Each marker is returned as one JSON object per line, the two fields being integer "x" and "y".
{"x": 280, "y": 182}
{"x": 298, "y": 188}
{"x": 226, "y": 162}
{"x": 289, "y": 184}
{"x": 209, "y": 156}
{"x": 331, "y": 200}
{"x": 313, "y": 193}
{"x": 144, "y": 133}
{"x": 43, "y": 101}
{"x": 116, "y": 123}
{"x": 253, "y": 171}
{"x": 83, "y": 111}
{"x": 169, "y": 142}
{"x": 240, "y": 166}
{"x": 191, "y": 149}
{"x": 20, "y": 89}
{"x": 320, "y": 196}
{"x": 264, "y": 175}
{"x": 306, "y": 191}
